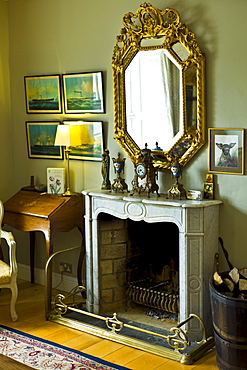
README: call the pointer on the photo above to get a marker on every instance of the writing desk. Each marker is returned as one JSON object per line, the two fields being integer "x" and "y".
{"x": 32, "y": 211}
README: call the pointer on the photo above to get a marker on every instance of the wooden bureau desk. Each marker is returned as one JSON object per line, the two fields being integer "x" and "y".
{"x": 32, "y": 211}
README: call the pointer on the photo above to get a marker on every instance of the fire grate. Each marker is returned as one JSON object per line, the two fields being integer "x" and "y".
{"x": 163, "y": 295}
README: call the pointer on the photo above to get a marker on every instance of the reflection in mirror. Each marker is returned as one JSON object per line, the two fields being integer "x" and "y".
{"x": 153, "y": 90}
{"x": 158, "y": 79}
{"x": 191, "y": 97}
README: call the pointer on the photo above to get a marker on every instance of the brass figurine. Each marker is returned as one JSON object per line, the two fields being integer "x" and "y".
{"x": 105, "y": 169}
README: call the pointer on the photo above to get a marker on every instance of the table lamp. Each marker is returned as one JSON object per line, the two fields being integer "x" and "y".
{"x": 63, "y": 138}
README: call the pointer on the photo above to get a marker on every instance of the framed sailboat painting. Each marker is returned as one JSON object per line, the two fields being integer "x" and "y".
{"x": 86, "y": 140}
{"x": 83, "y": 92}
{"x": 43, "y": 94}
{"x": 41, "y": 139}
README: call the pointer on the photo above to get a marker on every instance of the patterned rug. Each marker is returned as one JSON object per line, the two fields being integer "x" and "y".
{"x": 45, "y": 355}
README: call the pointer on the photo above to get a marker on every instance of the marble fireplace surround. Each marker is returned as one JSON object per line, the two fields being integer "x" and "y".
{"x": 198, "y": 225}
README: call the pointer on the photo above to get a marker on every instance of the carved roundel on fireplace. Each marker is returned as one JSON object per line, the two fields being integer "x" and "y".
{"x": 135, "y": 210}
{"x": 194, "y": 284}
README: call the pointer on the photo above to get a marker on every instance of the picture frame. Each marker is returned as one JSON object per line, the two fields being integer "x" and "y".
{"x": 43, "y": 94}
{"x": 40, "y": 140}
{"x": 86, "y": 139}
{"x": 83, "y": 92}
{"x": 226, "y": 150}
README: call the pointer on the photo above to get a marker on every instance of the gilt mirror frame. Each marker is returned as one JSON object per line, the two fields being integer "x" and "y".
{"x": 152, "y": 23}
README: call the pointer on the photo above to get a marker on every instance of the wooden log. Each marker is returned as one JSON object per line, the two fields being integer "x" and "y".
{"x": 234, "y": 274}
{"x": 217, "y": 279}
{"x": 230, "y": 284}
{"x": 243, "y": 272}
{"x": 242, "y": 284}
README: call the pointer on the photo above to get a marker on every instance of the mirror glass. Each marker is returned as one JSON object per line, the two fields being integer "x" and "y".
{"x": 158, "y": 75}
{"x": 153, "y": 99}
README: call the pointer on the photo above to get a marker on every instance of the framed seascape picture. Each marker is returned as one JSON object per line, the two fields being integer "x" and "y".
{"x": 40, "y": 140}
{"x": 43, "y": 94}
{"x": 86, "y": 140}
{"x": 83, "y": 92}
{"x": 226, "y": 150}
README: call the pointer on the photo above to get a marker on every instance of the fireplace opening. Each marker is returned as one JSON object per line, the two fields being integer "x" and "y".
{"x": 139, "y": 264}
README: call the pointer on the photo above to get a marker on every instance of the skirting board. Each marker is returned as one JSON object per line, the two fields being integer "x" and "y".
{"x": 66, "y": 283}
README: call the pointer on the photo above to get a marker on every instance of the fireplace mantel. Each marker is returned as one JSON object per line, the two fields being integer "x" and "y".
{"x": 198, "y": 225}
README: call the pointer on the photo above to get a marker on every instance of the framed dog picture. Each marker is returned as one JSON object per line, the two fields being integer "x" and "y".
{"x": 226, "y": 150}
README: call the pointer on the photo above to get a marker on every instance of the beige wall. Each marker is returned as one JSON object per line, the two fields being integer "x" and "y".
{"x": 6, "y": 183}
{"x": 66, "y": 36}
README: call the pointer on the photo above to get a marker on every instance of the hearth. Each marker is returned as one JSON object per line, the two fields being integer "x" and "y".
{"x": 152, "y": 265}
{"x": 138, "y": 265}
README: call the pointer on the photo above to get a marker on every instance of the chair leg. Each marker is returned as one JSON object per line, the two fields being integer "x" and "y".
{"x": 14, "y": 290}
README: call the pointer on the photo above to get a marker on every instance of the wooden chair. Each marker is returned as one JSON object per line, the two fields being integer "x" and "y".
{"x": 8, "y": 273}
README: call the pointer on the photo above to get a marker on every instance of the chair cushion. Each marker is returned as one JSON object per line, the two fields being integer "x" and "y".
{"x": 4, "y": 273}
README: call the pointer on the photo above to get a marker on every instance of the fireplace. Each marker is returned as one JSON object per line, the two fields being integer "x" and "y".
{"x": 197, "y": 224}
{"x": 157, "y": 255}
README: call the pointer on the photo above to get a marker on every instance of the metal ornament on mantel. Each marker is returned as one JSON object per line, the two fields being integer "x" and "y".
{"x": 145, "y": 174}
{"x": 119, "y": 183}
{"x": 177, "y": 189}
{"x": 105, "y": 169}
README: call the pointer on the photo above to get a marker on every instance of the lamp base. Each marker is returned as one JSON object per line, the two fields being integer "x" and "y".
{"x": 69, "y": 193}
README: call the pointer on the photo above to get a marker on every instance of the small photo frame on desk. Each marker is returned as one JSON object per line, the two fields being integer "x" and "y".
{"x": 55, "y": 180}
{"x": 40, "y": 140}
{"x": 43, "y": 94}
{"x": 226, "y": 151}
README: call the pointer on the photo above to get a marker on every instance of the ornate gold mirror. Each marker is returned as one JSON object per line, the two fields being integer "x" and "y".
{"x": 158, "y": 77}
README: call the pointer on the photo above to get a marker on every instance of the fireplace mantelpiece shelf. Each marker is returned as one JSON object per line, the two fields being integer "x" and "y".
{"x": 198, "y": 225}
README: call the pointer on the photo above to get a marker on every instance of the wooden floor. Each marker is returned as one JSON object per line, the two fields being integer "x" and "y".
{"x": 30, "y": 309}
